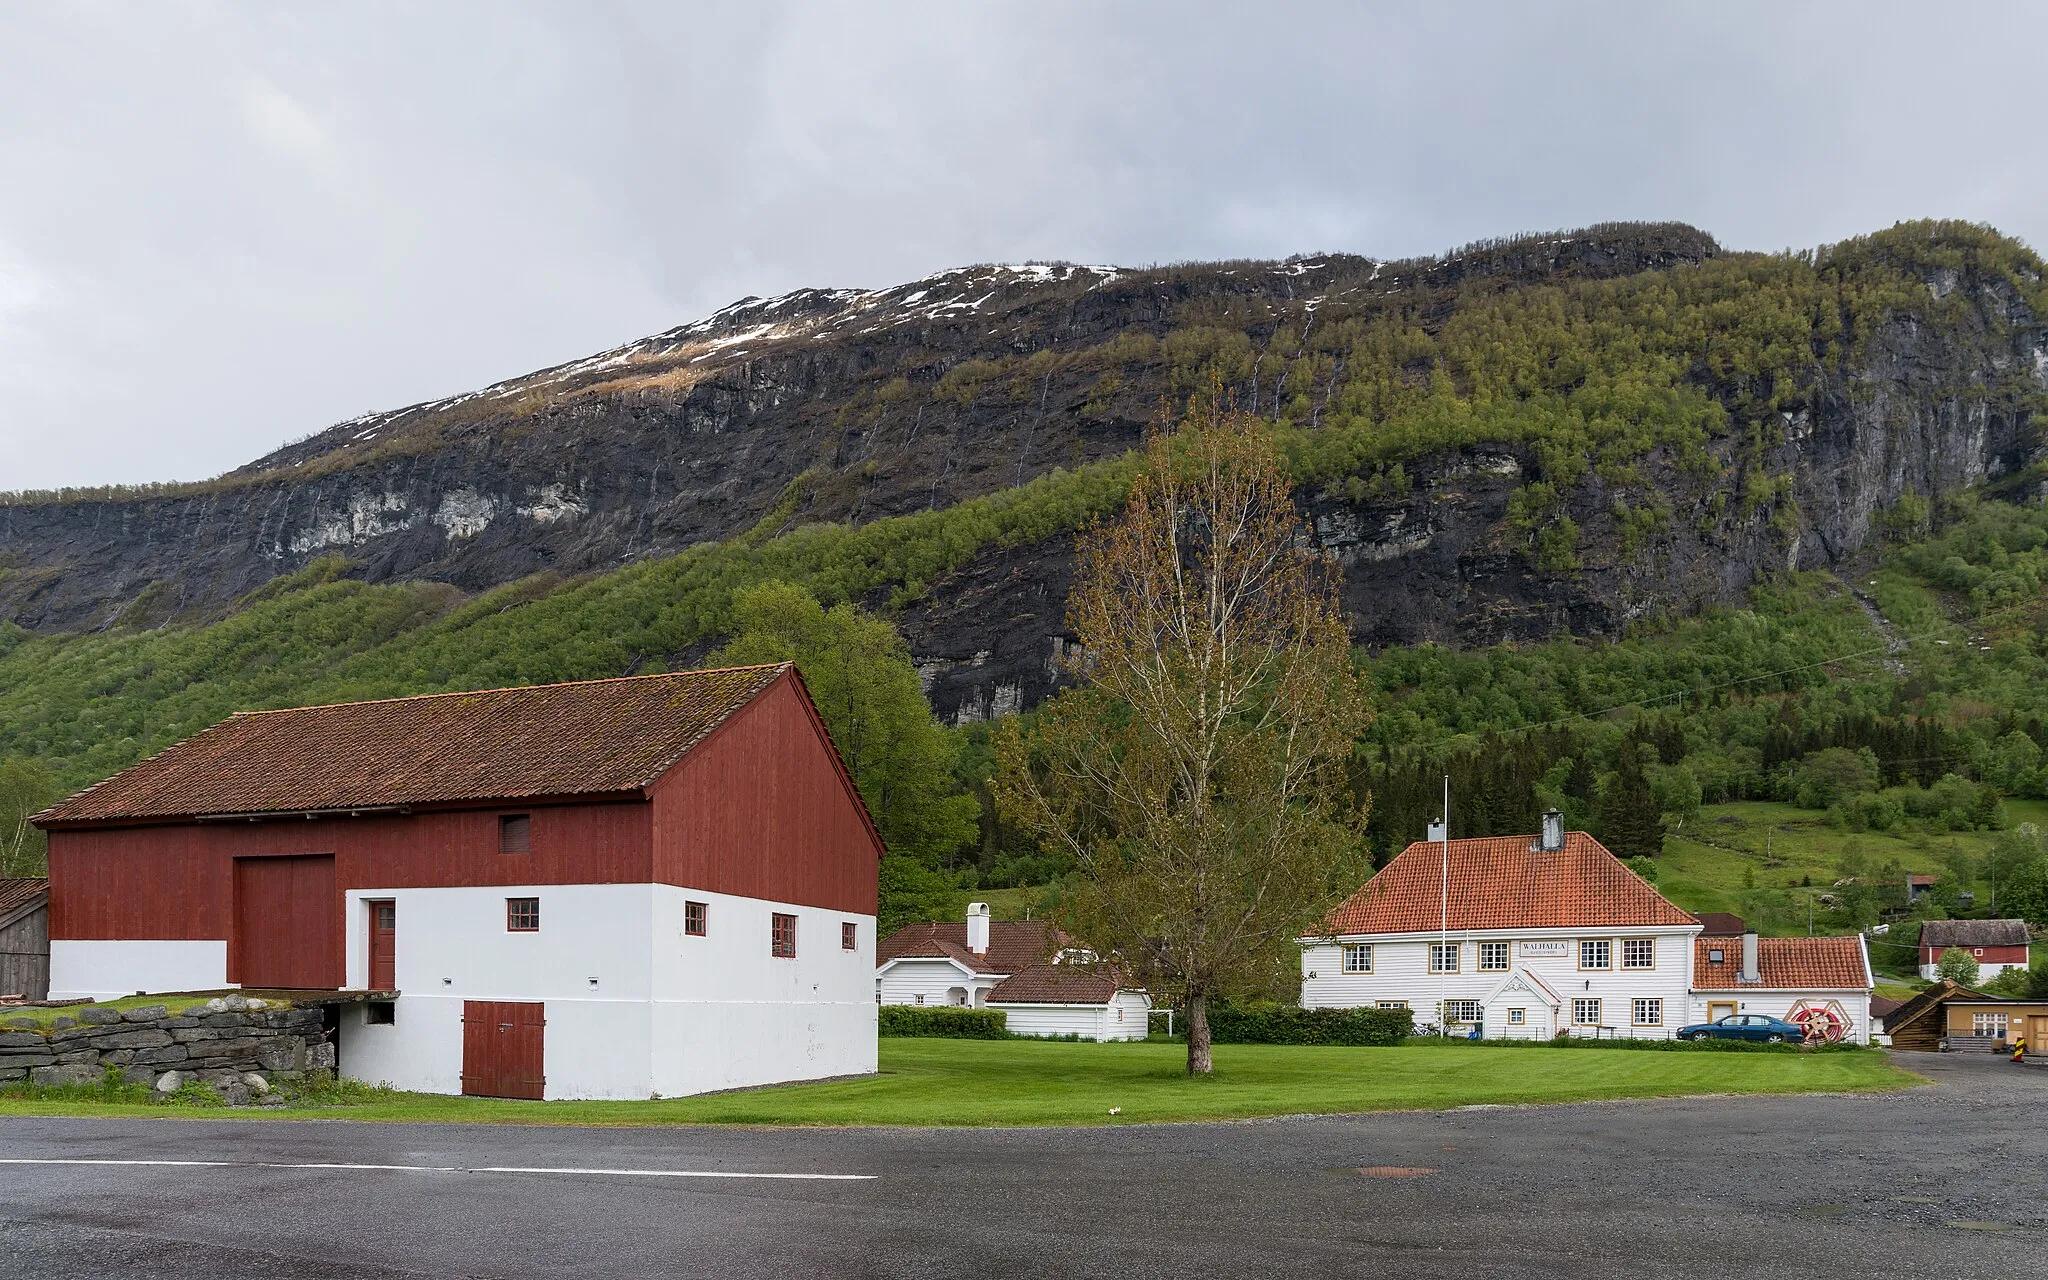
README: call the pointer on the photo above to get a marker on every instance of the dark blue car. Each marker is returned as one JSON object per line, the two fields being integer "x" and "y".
{"x": 1745, "y": 1026}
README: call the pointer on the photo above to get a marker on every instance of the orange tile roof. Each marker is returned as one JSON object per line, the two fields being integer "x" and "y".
{"x": 587, "y": 738}
{"x": 1784, "y": 964}
{"x": 1506, "y": 882}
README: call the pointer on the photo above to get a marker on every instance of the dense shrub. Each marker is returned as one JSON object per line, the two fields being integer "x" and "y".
{"x": 1284, "y": 1024}
{"x": 943, "y": 1021}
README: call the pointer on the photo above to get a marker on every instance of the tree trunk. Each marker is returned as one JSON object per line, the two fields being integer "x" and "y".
{"x": 1198, "y": 1035}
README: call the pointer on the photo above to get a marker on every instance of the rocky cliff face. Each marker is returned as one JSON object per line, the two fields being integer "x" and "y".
{"x": 855, "y": 406}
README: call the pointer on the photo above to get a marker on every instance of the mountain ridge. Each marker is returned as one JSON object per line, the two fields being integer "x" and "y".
{"x": 1489, "y": 459}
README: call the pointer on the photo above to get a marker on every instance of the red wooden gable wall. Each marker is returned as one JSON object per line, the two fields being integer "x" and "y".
{"x": 762, "y": 810}
{"x": 759, "y": 809}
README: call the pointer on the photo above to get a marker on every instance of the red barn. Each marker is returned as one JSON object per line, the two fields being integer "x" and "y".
{"x": 658, "y": 884}
{"x": 1996, "y": 945}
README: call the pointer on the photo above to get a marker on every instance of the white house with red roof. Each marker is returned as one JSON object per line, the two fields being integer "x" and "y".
{"x": 1025, "y": 968}
{"x": 1530, "y": 937}
{"x": 1823, "y": 984}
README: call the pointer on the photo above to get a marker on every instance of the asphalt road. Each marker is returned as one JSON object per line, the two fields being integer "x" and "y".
{"x": 1944, "y": 1181}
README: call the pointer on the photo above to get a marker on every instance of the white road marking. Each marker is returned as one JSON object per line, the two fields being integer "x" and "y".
{"x": 437, "y": 1168}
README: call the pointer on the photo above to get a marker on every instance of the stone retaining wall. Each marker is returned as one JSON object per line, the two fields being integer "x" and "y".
{"x": 227, "y": 1043}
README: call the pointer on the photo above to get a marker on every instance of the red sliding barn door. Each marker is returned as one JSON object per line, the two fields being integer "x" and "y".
{"x": 503, "y": 1047}
{"x": 287, "y": 923}
{"x": 383, "y": 946}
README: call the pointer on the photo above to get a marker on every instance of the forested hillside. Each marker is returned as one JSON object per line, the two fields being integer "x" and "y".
{"x": 1628, "y": 523}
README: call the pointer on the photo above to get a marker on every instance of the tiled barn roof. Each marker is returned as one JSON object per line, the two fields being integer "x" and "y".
{"x": 1782, "y": 964}
{"x": 587, "y": 738}
{"x": 1505, "y": 882}
{"x": 18, "y": 893}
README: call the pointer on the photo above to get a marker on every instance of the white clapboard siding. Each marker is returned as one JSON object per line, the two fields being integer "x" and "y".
{"x": 904, "y": 981}
{"x": 1125, "y": 1017}
{"x": 1054, "y": 1019}
{"x": 1401, "y": 972}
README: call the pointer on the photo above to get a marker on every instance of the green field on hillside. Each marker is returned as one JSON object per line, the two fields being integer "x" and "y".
{"x": 1013, "y": 1082}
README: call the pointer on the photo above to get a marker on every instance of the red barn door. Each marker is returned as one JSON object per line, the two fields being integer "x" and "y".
{"x": 503, "y": 1047}
{"x": 383, "y": 946}
{"x": 287, "y": 923}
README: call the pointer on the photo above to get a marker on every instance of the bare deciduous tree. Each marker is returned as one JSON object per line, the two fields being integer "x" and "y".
{"x": 1197, "y": 775}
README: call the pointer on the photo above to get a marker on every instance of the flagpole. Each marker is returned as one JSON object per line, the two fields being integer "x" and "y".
{"x": 1443, "y": 1007}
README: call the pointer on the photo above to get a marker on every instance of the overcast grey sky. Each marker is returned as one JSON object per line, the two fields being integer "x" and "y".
{"x": 223, "y": 226}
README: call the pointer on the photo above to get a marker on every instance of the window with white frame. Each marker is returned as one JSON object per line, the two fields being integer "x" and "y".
{"x": 1638, "y": 953}
{"x": 1443, "y": 957}
{"x": 1493, "y": 956}
{"x": 1647, "y": 1013}
{"x": 1586, "y": 1013}
{"x": 1987, "y": 1024}
{"x": 1596, "y": 953}
{"x": 1358, "y": 957}
{"x": 1461, "y": 1011}
{"x": 1392, "y": 1004}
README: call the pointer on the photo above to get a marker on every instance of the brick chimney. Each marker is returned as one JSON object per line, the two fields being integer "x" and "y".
{"x": 977, "y": 928}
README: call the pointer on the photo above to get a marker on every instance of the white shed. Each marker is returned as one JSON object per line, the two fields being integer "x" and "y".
{"x": 1088, "y": 1001}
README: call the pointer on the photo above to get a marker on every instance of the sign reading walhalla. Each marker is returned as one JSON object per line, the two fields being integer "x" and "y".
{"x": 1547, "y": 947}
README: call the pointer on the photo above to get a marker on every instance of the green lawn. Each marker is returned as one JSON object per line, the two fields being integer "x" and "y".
{"x": 963, "y": 1082}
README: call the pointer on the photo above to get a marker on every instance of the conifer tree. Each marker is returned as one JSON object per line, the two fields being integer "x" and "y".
{"x": 1631, "y": 825}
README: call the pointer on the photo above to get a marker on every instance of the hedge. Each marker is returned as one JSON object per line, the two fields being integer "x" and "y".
{"x": 945, "y": 1021}
{"x": 1284, "y": 1024}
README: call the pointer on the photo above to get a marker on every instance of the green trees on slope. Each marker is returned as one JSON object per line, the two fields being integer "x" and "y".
{"x": 860, "y": 676}
{"x": 26, "y": 788}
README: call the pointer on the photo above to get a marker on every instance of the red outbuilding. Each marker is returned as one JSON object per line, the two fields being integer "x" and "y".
{"x": 613, "y": 888}
{"x": 1996, "y": 945}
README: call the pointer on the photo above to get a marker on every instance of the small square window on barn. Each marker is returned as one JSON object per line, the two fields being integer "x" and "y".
{"x": 693, "y": 918}
{"x": 782, "y": 935}
{"x": 849, "y": 936}
{"x": 522, "y": 915}
{"x": 515, "y": 833}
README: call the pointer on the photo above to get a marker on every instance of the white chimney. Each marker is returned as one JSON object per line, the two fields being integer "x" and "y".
{"x": 977, "y": 928}
{"x": 1436, "y": 832}
{"x": 1749, "y": 959}
{"x": 1553, "y": 831}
